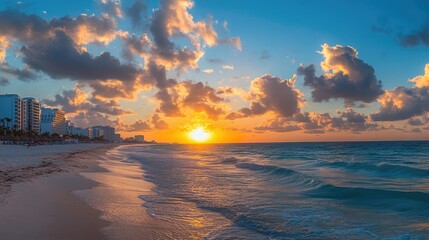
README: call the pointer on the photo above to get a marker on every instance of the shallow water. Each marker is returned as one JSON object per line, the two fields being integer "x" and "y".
{"x": 362, "y": 190}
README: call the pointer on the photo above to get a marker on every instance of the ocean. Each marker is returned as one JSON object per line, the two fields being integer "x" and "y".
{"x": 347, "y": 190}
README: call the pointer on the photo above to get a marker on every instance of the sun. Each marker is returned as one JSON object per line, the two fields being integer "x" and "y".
{"x": 199, "y": 134}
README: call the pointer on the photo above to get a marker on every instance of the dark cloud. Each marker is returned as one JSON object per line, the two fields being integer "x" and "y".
{"x": 138, "y": 126}
{"x": 157, "y": 122}
{"x": 89, "y": 119}
{"x": 77, "y": 100}
{"x": 402, "y": 103}
{"x": 154, "y": 122}
{"x": 417, "y": 121}
{"x": 55, "y": 48}
{"x": 278, "y": 125}
{"x": 137, "y": 13}
{"x": 265, "y": 55}
{"x": 4, "y": 81}
{"x": 318, "y": 123}
{"x": 174, "y": 96}
{"x": 20, "y": 74}
{"x": 30, "y": 29}
{"x": 346, "y": 77}
{"x": 416, "y": 37}
{"x": 202, "y": 98}
{"x": 60, "y": 58}
{"x": 271, "y": 94}
{"x": 215, "y": 60}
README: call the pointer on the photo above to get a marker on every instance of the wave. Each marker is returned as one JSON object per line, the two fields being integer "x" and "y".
{"x": 231, "y": 160}
{"x": 412, "y": 202}
{"x": 381, "y": 168}
{"x": 285, "y": 175}
{"x": 401, "y": 201}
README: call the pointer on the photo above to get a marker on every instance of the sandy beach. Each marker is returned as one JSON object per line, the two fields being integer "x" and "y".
{"x": 37, "y": 185}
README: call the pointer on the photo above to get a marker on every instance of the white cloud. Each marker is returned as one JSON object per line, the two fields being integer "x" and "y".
{"x": 229, "y": 67}
{"x": 208, "y": 71}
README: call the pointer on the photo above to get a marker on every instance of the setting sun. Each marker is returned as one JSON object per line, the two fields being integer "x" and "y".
{"x": 199, "y": 134}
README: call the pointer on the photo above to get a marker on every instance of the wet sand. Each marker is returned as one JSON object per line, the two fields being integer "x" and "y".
{"x": 37, "y": 200}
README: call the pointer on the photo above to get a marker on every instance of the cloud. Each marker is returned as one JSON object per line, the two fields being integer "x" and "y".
{"x": 176, "y": 97}
{"x": 234, "y": 41}
{"x": 194, "y": 96}
{"x": 34, "y": 30}
{"x": 416, "y": 37}
{"x": 154, "y": 122}
{"x": 422, "y": 80}
{"x": 137, "y": 12}
{"x": 265, "y": 55}
{"x": 278, "y": 125}
{"x": 228, "y": 67}
{"x": 58, "y": 49}
{"x": 318, "y": 123}
{"x": 208, "y": 71}
{"x": 173, "y": 19}
{"x": 60, "y": 58}
{"x": 402, "y": 103}
{"x": 89, "y": 119}
{"x": 345, "y": 76}
{"x": 228, "y": 90}
{"x": 4, "y": 81}
{"x": 225, "y": 25}
{"x": 418, "y": 121}
{"x": 215, "y": 60}
{"x": 271, "y": 94}
{"x": 78, "y": 100}
{"x": 20, "y": 74}
{"x": 112, "y": 7}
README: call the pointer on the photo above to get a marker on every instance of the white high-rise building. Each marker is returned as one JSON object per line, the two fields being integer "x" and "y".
{"x": 10, "y": 111}
{"x": 30, "y": 115}
{"x": 53, "y": 121}
{"x": 107, "y": 132}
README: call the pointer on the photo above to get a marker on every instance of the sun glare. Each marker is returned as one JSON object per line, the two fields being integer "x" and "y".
{"x": 199, "y": 134}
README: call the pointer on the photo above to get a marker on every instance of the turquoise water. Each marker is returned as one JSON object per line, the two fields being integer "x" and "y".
{"x": 360, "y": 190}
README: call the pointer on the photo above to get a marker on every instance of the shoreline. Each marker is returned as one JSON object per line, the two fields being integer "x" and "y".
{"x": 37, "y": 192}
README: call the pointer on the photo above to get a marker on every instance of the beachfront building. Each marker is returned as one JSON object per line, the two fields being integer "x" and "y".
{"x": 81, "y": 132}
{"x": 118, "y": 138}
{"x": 107, "y": 132}
{"x": 30, "y": 115}
{"x": 70, "y": 128}
{"x": 97, "y": 132}
{"x": 139, "y": 138}
{"x": 53, "y": 121}
{"x": 10, "y": 111}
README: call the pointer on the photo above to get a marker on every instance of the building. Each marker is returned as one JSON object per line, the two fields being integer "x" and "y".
{"x": 97, "y": 132}
{"x": 118, "y": 138}
{"x": 70, "y": 129}
{"x": 10, "y": 111}
{"x": 107, "y": 132}
{"x": 82, "y": 132}
{"x": 53, "y": 121}
{"x": 139, "y": 138}
{"x": 30, "y": 115}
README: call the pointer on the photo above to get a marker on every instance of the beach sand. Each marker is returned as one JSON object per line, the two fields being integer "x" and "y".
{"x": 37, "y": 185}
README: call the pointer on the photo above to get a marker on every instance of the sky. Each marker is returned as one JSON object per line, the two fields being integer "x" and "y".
{"x": 245, "y": 71}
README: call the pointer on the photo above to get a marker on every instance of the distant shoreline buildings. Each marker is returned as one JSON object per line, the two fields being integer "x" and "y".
{"x": 29, "y": 116}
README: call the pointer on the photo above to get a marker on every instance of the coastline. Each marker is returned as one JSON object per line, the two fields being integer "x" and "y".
{"x": 37, "y": 186}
